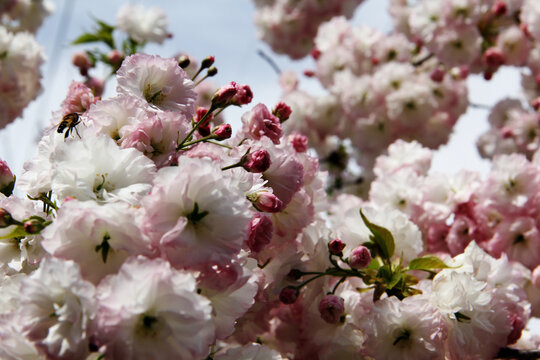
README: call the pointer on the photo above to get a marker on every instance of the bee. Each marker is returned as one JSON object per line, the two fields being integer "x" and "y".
{"x": 69, "y": 121}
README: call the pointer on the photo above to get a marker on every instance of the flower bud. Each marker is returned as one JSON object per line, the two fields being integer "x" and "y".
{"x": 335, "y": 247}
{"x": 332, "y": 308}
{"x": 82, "y": 61}
{"x": 222, "y": 132}
{"x": 499, "y": 8}
{"x": 115, "y": 57}
{"x": 257, "y": 162}
{"x": 7, "y": 179}
{"x": 212, "y": 71}
{"x": 299, "y": 142}
{"x": 204, "y": 128}
{"x": 437, "y": 75}
{"x": 288, "y": 295}
{"x": 315, "y": 53}
{"x": 33, "y": 226}
{"x": 5, "y": 218}
{"x": 184, "y": 61}
{"x": 493, "y": 57}
{"x": 224, "y": 96}
{"x": 309, "y": 73}
{"x": 360, "y": 257}
{"x": 282, "y": 111}
{"x": 207, "y": 62}
{"x": 97, "y": 85}
{"x": 535, "y": 103}
{"x": 261, "y": 230}
{"x": 243, "y": 96}
{"x": 267, "y": 202}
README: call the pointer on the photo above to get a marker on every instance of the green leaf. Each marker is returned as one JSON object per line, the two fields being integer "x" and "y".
{"x": 374, "y": 264}
{"x": 86, "y": 38}
{"x": 396, "y": 278}
{"x": 427, "y": 263}
{"x": 381, "y": 237}
{"x": 385, "y": 273}
{"x": 17, "y": 232}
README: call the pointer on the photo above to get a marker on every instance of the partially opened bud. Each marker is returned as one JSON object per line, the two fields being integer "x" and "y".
{"x": 288, "y": 295}
{"x": 267, "y": 202}
{"x": 222, "y": 132}
{"x": 7, "y": 179}
{"x": 33, "y": 226}
{"x": 224, "y": 96}
{"x": 299, "y": 142}
{"x": 282, "y": 111}
{"x": 257, "y": 162}
{"x": 332, "y": 308}
{"x": 243, "y": 96}
{"x": 335, "y": 247}
{"x": 360, "y": 257}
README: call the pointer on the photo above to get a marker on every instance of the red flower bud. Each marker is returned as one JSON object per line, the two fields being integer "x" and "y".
{"x": 243, "y": 96}
{"x": 224, "y": 96}
{"x": 222, "y": 132}
{"x": 288, "y": 295}
{"x": 315, "y": 53}
{"x": 5, "y": 218}
{"x": 335, "y": 247}
{"x": 437, "y": 75}
{"x": 493, "y": 57}
{"x": 299, "y": 142}
{"x": 267, "y": 202}
{"x": 33, "y": 226}
{"x": 360, "y": 257}
{"x": 332, "y": 308}
{"x": 257, "y": 162}
{"x": 282, "y": 111}
{"x": 499, "y": 8}
{"x": 7, "y": 179}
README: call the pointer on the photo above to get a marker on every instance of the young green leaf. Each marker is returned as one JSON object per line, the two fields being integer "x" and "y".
{"x": 86, "y": 38}
{"x": 427, "y": 263}
{"x": 381, "y": 237}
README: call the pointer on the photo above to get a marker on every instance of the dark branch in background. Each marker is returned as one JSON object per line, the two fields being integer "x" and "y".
{"x": 507, "y": 353}
{"x": 422, "y": 60}
{"x": 270, "y": 61}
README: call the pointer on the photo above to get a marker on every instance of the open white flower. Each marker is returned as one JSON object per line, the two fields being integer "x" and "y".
{"x": 55, "y": 307}
{"x": 158, "y": 81}
{"x": 151, "y": 311}
{"x": 95, "y": 168}
{"x": 143, "y": 24}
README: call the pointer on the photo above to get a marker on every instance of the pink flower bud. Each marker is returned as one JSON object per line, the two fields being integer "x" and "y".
{"x": 97, "y": 85}
{"x": 360, "y": 257}
{"x": 260, "y": 232}
{"x": 535, "y": 103}
{"x": 7, "y": 179}
{"x": 499, "y": 8}
{"x": 315, "y": 53}
{"x": 437, "y": 75}
{"x": 299, "y": 142}
{"x": 282, "y": 111}
{"x": 222, "y": 132}
{"x": 332, "y": 308}
{"x": 493, "y": 57}
{"x": 224, "y": 96}
{"x": 335, "y": 247}
{"x": 33, "y": 226}
{"x": 82, "y": 61}
{"x": 204, "y": 128}
{"x": 288, "y": 295}
{"x": 257, "y": 162}
{"x": 243, "y": 96}
{"x": 267, "y": 202}
{"x": 115, "y": 57}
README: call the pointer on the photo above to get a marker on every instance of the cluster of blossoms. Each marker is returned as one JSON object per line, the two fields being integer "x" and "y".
{"x": 380, "y": 89}
{"x": 289, "y": 26}
{"x": 20, "y": 55}
{"x": 150, "y": 231}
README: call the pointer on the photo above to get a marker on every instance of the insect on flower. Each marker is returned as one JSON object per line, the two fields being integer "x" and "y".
{"x": 69, "y": 121}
